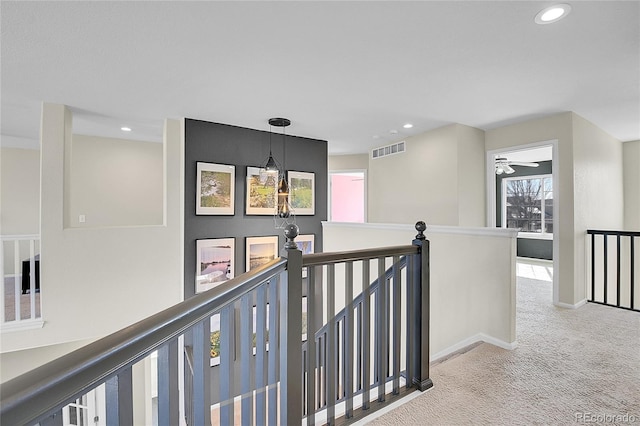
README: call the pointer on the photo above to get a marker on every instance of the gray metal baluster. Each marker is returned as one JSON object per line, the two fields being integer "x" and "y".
{"x": 396, "y": 322}
{"x": 119, "y": 399}
{"x": 366, "y": 334}
{"x": 411, "y": 318}
{"x": 382, "y": 331}
{"x": 261, "y": 359}
{"x": 246, "y": 356}
{"x": 274, "y": 351}
{"x": 226, "y": 364}
{"x": 168, "y": 384}
{"x": 332, "y": 353}
{"x": 348, "y": 339}
{"x": 311, "y": 346}
{"x": 201, "y": 402}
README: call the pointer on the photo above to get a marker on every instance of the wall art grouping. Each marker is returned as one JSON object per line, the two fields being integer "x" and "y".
{"x": 215, "y": 191}
{"x": 215, "y": 257}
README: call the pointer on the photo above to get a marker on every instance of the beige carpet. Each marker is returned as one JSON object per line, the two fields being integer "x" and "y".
{"x": 571, "y": 367}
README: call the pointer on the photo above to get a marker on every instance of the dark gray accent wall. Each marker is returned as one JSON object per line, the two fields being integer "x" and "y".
{"x": 526, "y": 247}
{"x": 225, "y": 144}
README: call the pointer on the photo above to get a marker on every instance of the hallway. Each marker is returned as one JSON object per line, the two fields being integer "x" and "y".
{"x": 570, "y": 367}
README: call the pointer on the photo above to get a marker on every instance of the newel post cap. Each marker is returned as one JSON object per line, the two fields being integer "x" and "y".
{"x": 421, "y": 227}
{"x": 291, "y": 231}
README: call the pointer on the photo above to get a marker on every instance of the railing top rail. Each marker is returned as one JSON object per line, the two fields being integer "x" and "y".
{"x": 19, "y": 237}
{"x": 62, "y": 379}
{"x": 621, "y": 233}
{"x": 355, "y": 255}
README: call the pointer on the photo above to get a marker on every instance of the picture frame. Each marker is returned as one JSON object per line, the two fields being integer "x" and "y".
{"x": 260, "y": 250}
{"x": 302, "y": 192}
{"x": 214, "y": 340}
{"x": 306, "y": 244}
{"x": 215, "y": 262}
{"x": 261, "y": 192}
{"x": 215, "y": 189}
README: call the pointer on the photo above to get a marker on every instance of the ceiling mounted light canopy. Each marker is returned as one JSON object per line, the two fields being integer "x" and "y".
{"x": 552, "y": 14}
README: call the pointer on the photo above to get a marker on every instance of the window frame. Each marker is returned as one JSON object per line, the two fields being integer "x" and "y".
{"x": 543, "y": 235}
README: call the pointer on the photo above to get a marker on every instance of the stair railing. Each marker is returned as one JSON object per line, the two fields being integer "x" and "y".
{"x": 260, "y": 371}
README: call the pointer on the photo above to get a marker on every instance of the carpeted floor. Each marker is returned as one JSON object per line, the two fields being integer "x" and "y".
{"x": 571, "y": 367}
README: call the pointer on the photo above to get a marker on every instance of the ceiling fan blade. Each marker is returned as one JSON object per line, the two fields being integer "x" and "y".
{"x": 520, "y": 163}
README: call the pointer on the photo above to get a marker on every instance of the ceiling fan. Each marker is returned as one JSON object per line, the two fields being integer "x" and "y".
{"x": 504, "y": 166}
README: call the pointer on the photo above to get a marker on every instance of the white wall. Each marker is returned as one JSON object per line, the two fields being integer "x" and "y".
{"x": 96, "y": 281}
{"x": 472, "y": 278}
{"x": 348, "y": 162}
{"x": 115, "y": 182}
{"x": 19, "y": 191}
{"x": 631, "y": 164}
{"x": 598, "y": 189}
{"x": 439, "y": 178}
{"x": 557, "y": 127}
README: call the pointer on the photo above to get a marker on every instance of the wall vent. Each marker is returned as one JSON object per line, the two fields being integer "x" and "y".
{"x": 383, "y": 151}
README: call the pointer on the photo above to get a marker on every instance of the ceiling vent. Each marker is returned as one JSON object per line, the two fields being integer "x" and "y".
{"x": 383, "y": 151}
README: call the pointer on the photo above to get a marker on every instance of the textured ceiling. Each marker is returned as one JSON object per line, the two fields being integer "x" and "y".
{"x": 346, "y": 72}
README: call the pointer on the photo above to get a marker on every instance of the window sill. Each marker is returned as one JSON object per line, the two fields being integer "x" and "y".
{"x": 535, "y": 236}
{"x": 12, "y": 326}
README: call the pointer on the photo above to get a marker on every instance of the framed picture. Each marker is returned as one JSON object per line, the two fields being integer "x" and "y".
{"x": 261, "y": 250}
{"x": 215, "y": 188}
{"x": 214, "y": 262}
{"x": 302, "y": 192}
{"x": 305, "y": 243}
{"x": 262, "y": 194}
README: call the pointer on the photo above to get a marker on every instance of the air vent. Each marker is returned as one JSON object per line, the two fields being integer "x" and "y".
{"x": 383, "y": 151}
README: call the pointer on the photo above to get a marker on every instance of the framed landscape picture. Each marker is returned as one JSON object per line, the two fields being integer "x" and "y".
{"x": 302, "y": 192}
{"x": 214, "y": 262}
{"x": 261, "y": 250}
{"x": 262, "y": 194}
{"x": 215, "y": 188}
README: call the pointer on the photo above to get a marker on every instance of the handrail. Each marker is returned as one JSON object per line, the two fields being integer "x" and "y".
{"x": 61, "y": 380}
{"x": 621, "y": 233}
{"x": 355, "y": 255}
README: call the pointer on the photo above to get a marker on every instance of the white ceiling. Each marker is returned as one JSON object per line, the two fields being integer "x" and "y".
{"x": 341, "y": 71}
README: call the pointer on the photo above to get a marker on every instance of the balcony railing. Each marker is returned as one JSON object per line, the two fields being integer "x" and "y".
{"x": 613, "y": 265}
{"x": 20, "y": 270}
{"x": 344, "y": 356}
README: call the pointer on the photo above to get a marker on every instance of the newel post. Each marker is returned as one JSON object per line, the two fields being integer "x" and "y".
{"x": 421, "y": 318}
{"x": 291, "y": 332}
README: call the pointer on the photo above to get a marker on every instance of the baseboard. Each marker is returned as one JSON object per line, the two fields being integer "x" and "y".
{"x": 570, "y": 306}
{"x": 480, "y": 337}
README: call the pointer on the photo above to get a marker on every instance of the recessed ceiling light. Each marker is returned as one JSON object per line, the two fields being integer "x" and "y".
{"x": 552, "y": 14}
{"x": 408, "y": 126}
{"x": 125, "y": 129}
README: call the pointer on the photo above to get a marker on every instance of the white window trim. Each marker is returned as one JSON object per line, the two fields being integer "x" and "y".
{"x": 529, "y": 235}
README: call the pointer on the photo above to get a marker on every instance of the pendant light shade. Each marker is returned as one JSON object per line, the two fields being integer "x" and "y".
{"x": 284, "y": 214}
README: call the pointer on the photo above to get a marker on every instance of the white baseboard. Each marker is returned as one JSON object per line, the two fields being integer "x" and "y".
{"x": 570, "y": 306}
{"x": 480, "y": 337}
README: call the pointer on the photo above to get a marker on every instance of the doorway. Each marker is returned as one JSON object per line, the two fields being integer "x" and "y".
{"x": 348, "y": 196}
{"x": 527, "y": 168}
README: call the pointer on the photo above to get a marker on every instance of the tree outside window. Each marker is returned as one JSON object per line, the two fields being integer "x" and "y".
{"x": 528, "y": 204}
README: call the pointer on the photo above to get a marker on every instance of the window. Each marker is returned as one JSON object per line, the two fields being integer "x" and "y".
{"x": 527, "y": 204}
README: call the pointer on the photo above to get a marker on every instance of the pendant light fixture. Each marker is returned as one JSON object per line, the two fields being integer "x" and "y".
{"x": 271, "y": 166}
{"x": 284, "y": 214}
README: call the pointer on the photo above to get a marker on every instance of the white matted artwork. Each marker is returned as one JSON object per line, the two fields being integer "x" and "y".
{"x": 305, "y": 243}
{"x": 261, "y": 192}
{"x": 302, "y": 192}
{"x": 215, "y": 189}
{"x": 261, "y": 250}
{"x": 214, "y": 262}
